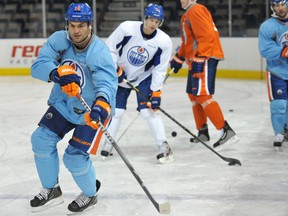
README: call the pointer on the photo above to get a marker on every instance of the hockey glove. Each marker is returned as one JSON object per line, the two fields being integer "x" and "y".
{"x": 99, "y": 112}
{"x": 121, "y": 74}
{"x": 284, "y": 52}
{"x": 155, "y": 100}
{"x": 198, "y": 66}
{"x": 177, "y": 63}
{"x": 67, "y": 78}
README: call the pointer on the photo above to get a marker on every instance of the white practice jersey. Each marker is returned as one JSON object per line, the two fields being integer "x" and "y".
{"x": 138, "y": 56}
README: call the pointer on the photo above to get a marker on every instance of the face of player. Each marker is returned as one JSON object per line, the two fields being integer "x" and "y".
{"x": 151, "y": 25}
{"x": 79, "y": 32}
{"x": 280, "y": 9}
{"x": 185, "y": 3}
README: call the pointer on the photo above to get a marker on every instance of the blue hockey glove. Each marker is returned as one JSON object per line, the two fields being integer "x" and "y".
{"x": 198, "y": 66}
{"x": 121, "y": 74}
{"x": 67, "y": 78}
{"x": 100, "y": 111}
{"x": 155, "y": 100}
{"x": 177, "y": 63}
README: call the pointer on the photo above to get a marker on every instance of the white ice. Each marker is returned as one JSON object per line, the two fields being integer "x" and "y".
{"x": 198, "y": 183}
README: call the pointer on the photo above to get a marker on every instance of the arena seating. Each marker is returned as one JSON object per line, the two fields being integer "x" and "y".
{"x": 23, "y": 18}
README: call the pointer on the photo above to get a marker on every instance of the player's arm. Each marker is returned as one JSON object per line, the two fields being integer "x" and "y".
{"x": 204, "y": 32}
{"x": 49, "y": 55}
{"x": 161, "y": 63}
{"x": 268, "y": 47}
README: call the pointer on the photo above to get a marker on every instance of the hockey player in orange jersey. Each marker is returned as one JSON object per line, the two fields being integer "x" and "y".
{"x": 201, "y": 48}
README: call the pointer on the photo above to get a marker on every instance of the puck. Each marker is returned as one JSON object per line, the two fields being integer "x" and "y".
{"x": 174, "y": 134}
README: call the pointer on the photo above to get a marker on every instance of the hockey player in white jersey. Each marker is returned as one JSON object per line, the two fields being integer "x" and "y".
{"x": 141, "y": 52}
{"x": 76, "y": 62}
{"x": 273, "y": 46}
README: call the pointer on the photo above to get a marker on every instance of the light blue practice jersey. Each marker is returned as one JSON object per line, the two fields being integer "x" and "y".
{"x": 94, "y": 65}
{"x": 273, "y": 36}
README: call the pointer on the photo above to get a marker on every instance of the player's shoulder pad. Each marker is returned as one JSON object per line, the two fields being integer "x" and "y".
{"x": 163, "y": 38}
{"x": 97, "y": 48}
{"x": 59, "y": 41}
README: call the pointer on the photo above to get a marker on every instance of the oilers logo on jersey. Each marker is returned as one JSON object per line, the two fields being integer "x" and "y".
{"x": 284, "y": 39}
{"x": 77, "y": 67}
{"x": 137, "y": 56}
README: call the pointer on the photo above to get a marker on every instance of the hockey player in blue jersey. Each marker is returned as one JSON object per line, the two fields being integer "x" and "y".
{"x": 141, "y": 52}
{"x": 273, "y": 46}
{"x": 74, "y": 61}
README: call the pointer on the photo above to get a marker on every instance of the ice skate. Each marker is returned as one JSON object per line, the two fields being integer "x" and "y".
{"x": 227, "y": 137}
{"x": 278, "y": 140}
{"x": 203, "y": 135}
{"x": 165, "y": 154}
{"x": 107, "y": 150}
{"x": 47, "y": 198}
{"x": 83, "y": 202}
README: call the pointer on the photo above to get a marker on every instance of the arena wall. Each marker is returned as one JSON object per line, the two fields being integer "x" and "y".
{"x": 242, "y": 58}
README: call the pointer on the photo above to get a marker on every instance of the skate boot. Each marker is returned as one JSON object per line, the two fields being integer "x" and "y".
{"x": 228, "y": 136}
{"x": 47, "y": 198}
{"x": 165, "y": 153}
{"x": 278, "y": 140}
{"x": 82, "y": 202}
{"x": 107, "y": 150}
{"x": 203, "y": 135}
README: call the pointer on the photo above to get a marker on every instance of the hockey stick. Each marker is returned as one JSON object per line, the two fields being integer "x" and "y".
{"x": 132, "y": 122}
{"x": 161, "y": 208}
{"x": 124, "y": 132}
{"x": 231, "y": 161}
{"x": 170, "y": 72}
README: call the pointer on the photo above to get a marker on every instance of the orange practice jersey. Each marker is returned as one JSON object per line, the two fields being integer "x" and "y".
{"x": 199, "y": 34}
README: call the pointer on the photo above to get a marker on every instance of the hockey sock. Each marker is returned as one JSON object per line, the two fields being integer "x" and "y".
{"x": 212, "y": 110}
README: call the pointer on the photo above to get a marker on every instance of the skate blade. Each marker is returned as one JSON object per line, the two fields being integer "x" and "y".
{"x": 233, "y": 140}
{"x": 84, "y": 212}
{"x": 105, "y": 157}
{"x": 166, "y": 160}
{"x": 54, "y": 202}
{"x": 278, "y": 148}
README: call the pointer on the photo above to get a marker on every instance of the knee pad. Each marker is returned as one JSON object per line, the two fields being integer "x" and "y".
{"x": 147, "y": 113}
{"x": 278, "y": 106}
{"x": 76, "y": 161}
{"x": 155, "y": 124}
{"x": 44, "y": 142}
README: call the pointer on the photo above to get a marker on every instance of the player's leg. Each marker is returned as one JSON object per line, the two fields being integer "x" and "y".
{"x": 121, "y": 102}
{"x": 277, "y": 93}
{"x": 51, "y": 130}
{"x": 200, "y": 120}
{"x": 112, "y": 129}
{"x": 202, "y": 88}
{"x": 81, "y": 167}
{"x": 155, "y": 123}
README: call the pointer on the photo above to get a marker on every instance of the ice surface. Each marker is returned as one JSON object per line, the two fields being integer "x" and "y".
{"x": 198, "y": 183}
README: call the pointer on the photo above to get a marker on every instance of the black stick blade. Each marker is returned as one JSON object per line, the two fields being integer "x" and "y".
{"x": 233, "y": 161}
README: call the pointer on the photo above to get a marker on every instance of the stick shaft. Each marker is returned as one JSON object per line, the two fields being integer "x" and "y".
{"x": 182, "y": 126}
{"x": 170, "y": 72}
{"x": 124, "y": 158}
